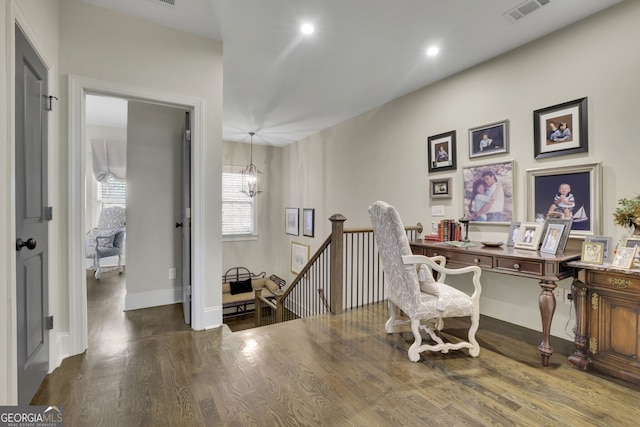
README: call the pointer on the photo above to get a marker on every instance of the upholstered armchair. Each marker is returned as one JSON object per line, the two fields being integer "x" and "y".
{"x": 107, "y": 239}
{"x": 412, "y": 288}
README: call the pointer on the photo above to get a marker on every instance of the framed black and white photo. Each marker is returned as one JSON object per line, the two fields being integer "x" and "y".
{"x": 514, "y": 228}
{"x": 488, "y": 192}
{"x": 441, "y": 188}
{"x": 489, "y": 139}
{"x": 607, "y": 243}
{"x": 308, "y": 222}
{"x": 592, "y": 252}
{"x": 561, "y": 129}
{"x": 529, "y": 236}
{"x": 567, "y": 192}
{"x": 291, "y": 221}
{"x": 441, "y": 152}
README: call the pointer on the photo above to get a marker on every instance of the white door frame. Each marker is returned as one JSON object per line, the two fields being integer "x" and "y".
{"x": 78, "y": 88}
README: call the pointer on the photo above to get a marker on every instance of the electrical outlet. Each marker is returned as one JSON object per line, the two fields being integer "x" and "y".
{"x": 568, "y": 297}
{"x": 172, "y": 273}
{"x": 559, "y": 294}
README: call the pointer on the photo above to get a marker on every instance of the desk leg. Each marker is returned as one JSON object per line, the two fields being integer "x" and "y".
{"x": 547, "y": 308}
{"x": 580, "y": 357}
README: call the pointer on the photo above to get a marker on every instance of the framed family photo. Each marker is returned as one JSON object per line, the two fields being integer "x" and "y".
{"x": 607, "y": 243}
{"x": 529, "y": 236}
{"x": 514, "y": 228}
{"x": 561, "y": 129}
{"x": 633, "y": 242}
{"x": 557, "y": 223}
{"x": 592, "y": 252}
{"x": 291, "y": 221}
{"x": 308, "y": 222}
{"x": 567, "y": 192}
{"x": 552, "y": 237}
{"x": 299, "y": 257}
{"x": 488, "y": 193}
{"x": 441, "y": 188}
{"x": 489, "y": 139}
{"x": 624, "y": 257}
{"x": 441, "y": 152}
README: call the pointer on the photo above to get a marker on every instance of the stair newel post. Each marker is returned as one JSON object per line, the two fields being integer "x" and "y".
{"x": 337, "y": 259}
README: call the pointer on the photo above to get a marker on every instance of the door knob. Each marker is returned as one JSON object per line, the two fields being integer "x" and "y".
{"x": 30, "y": 244}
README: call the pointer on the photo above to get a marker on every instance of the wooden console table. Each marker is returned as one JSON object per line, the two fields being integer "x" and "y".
{"x": 546, "y": 268}
{"x": 607, "y": 302}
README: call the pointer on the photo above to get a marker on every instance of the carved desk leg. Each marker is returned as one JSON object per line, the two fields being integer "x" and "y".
{"x": 547, "y": 308}
{"x": 580, "y": 356}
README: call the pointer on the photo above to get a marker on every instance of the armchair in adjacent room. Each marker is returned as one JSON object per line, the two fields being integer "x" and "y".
{"x": 413, "y": 289}
{"x": 107, "y": 239}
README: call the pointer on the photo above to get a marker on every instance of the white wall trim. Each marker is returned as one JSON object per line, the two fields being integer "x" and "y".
{"x": 137, "y": 300}
{"x": 78, "y": 87}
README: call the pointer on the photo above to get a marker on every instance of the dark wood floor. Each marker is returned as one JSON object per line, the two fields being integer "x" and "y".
{"x": 146, "y": 368}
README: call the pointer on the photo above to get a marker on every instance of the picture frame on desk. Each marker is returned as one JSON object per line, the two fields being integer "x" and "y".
{"x": 585, "y": 185}
{"x": 513, "y": 233}
{"x": 607, "y": 241}
{"x": 497, "y": 179}
{"x": 529, "y": 236}
{"x": 631, "y": 242}
{"x": 441, "y": 152}
{"x": 592, "y": 252}
{"x": 566, "y": 231}
{"x": 624, "y": 257}
{"x": 552, "y": 238}
{"x": 560, "y": 129}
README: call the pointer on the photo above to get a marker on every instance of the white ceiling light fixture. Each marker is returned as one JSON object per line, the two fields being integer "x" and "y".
{"x": 433, "y": 51}
{"x": 251, "y": 176}
{"x": 306, "y": 29}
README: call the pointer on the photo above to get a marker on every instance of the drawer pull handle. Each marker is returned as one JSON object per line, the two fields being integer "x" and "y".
{"x": 516, "y": 266}
{"x": 476, "y": 260}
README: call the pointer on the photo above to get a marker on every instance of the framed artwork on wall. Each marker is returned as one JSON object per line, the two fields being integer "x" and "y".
{"x": 560, "y": 129}
{"x": 489, "y": 139}
{"x": 567, "y": 192}
{"x": 441, "y": 188}
{"x": 441, "y": 152}
{"x": 488, "y": 192}
{"x": 291, "y": 221}
{"x": 308, "y": 222}
{"x": 299, "y": 257}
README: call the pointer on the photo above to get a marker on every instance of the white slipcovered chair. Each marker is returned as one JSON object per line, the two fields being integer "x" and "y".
{"x": 107, "y": 238}
{"x": 412, "y": 288}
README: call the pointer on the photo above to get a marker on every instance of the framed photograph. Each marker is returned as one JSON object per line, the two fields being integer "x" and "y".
{"x": 624, "y": 257}
{"x": 441, "y": 152}
{"x": 440, "y": 188}
{"x": 567, "y": 192}
{"x": 561, "y": 129}
{"x": 633, "y": 242}
{"x": 489, "y": 139}
{"x": 566, "y": 231}
{"x": 513, "y": 233}
{"x": 488, "y": 193}
{"x": 607, "y": 242}
{"x": 291, "y": 221}
{"x": 551, "y": 238}
{"x": 529, "y": 236}
{"x": 308, "y": 222}
{"x": 592, "y": 252}
{"x": 299, "y": 256}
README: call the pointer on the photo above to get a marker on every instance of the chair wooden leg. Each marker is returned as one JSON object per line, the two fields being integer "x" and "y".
{"x": 388, "y": 326}
{"x": 414, "y": 353}
{"x": 474, "y": 351}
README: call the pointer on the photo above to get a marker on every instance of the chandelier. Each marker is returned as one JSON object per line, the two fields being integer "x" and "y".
{"x": 251, "y": 176}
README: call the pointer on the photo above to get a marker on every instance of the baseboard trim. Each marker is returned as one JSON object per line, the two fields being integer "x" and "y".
{"x": 138, "y": 300}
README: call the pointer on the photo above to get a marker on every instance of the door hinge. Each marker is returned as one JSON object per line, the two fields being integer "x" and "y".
{"x": 48, "y": 213}
{"x": 48, "y": 323}
{"x": 189, "y": 290}
{"x": 187, "y": 134}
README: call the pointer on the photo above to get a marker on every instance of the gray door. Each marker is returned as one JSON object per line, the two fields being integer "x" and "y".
{"x": 186, "y": 220}
{"x": 31, "y": 225}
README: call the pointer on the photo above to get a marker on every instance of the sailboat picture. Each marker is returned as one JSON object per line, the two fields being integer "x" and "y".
{"x": 580, "y": 215}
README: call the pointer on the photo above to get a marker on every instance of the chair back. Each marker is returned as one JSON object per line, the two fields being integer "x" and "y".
{"x": 112, "y": 217}
{"x": 392, "y": 242}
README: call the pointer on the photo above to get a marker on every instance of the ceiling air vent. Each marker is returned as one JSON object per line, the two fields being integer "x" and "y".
{"x": 167, "y": 2}
{"x": 519, "y": 12}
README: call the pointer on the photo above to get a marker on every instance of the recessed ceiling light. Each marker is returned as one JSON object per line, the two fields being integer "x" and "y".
{"x": 306, "y": 29}
{"x": 433, "y": 51}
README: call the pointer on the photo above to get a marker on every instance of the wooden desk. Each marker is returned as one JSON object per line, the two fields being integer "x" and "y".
{"x": 607, "y": 302}
{"x": 546, "y": 268}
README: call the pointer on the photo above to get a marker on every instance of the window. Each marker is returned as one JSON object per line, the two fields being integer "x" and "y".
{"x": 238, "y": 210}
{"x": 113, "y": 192}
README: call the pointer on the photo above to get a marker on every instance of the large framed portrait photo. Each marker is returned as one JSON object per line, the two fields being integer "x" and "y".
{"x": 488, "y": 193}
{"x": 489, "y": 139}
{"x": 561, "y": 129}
{"x": 441, "y": 152}
{"x": 567, "y": 192}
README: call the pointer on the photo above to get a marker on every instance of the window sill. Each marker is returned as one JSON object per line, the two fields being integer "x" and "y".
{"x": 244, "y": 238}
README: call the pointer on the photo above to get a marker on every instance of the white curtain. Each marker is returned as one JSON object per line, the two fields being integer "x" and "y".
{"x": 109, "y": 159}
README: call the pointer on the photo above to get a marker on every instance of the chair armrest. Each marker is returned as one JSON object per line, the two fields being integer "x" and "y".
{"x": 108, "y": 234}
{"x": 431, "y": 263}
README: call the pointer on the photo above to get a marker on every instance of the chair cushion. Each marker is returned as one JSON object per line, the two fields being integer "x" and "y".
{"x": 427, "y": 282}
{"x": 241, "y": 286}
{"x": 450, "y": 303}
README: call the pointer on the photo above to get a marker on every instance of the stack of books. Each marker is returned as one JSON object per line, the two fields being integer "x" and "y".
{"x": 448, "y": 230}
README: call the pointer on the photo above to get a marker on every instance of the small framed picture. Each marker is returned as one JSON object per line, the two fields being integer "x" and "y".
{"x": 552, "y": 237}
{"x": 299, "y": 256}
{"x": 607, "y": 241}
{"x": 633, "y": 242}
{"x": 592, "y": 252}
{"x": 291, "y": 221}
{"x": 566, "y": 231}
{"x": 624, "y": 257}
{"x": 441, "y": 152}
{"x": 440, "y": 188}
{"x": 513, "y": 233}
{"x": 529, "y": 236}
{"x": 489, "y": 139}
{"x": 560, "y": 129}
{"x": 308, "y": 222}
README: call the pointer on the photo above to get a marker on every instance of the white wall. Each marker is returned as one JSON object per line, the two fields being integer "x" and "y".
{"x": 381, "y": 154}
{"x": 154, "y": 199}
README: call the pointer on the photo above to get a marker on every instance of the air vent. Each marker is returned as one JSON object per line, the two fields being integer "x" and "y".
{"x": 519, "y": 12}
{"x": 166, "y": 2}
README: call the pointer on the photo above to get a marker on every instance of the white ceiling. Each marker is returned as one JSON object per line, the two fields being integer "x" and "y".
{"x": 363, "y": 53}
